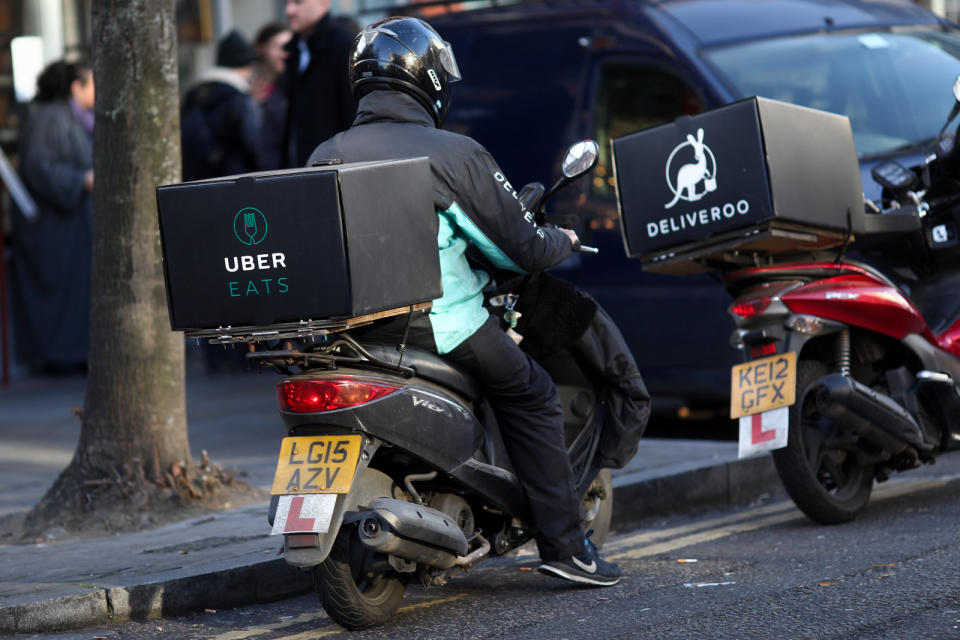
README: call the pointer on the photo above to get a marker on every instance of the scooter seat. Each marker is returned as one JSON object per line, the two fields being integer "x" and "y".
{"x": 428, "y": 366}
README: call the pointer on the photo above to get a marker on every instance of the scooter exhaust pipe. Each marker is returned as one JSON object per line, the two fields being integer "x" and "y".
{"x": 872, "y": 415}
{"x": 413, "y": 532}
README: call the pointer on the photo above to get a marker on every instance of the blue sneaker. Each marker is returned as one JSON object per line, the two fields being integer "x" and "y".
{"x": 587, "y": 567}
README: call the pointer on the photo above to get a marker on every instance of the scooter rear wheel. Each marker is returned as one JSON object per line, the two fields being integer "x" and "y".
{"x": 828, "y": 483}
{"x": 350, "y": 597}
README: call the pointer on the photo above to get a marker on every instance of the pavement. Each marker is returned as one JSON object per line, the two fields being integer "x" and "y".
{"x": 228, "y": 559}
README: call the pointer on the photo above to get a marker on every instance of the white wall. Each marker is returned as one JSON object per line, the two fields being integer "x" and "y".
{"x": 44, "y": 18}
{"x": 249, "y": 15}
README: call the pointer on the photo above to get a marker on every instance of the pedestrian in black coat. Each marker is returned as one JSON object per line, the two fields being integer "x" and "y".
{"x": 220, "y": 121}
{"x": 319, "y": 95}
{"x": 52, "y": 252}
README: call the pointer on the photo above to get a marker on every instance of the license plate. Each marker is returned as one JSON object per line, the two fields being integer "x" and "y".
{"x": 316, "y": 464}
{"x": 763, "y": 385}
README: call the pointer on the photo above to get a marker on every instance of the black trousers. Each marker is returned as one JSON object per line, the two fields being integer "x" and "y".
{"x": 527, "y": 407}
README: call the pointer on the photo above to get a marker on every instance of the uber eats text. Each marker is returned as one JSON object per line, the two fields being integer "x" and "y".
{"x": 256, "y": 286}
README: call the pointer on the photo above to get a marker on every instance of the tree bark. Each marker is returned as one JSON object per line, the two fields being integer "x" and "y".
{"x": 134, "y": 428}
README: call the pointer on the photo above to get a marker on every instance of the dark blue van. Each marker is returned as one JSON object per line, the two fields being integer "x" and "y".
{"x": 540, "y": 75}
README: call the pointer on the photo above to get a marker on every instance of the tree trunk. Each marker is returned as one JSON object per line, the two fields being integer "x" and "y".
{"x": 133, "y": 443}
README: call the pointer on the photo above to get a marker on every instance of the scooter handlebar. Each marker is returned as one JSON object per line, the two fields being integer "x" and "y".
{"x": 582, "y": 248}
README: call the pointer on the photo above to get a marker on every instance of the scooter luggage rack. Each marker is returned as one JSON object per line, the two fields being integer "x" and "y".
{"x": 304, "y": 329}
{"x": 743, "y": 247}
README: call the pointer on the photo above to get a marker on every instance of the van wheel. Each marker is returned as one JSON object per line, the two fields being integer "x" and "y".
{"x": 597, "y": 507}
{"x": 829, "y": 484}
{"x": 352, "y": 593}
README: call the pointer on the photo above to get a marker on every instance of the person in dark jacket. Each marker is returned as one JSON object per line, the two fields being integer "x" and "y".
{"x": 52, "y": 251}
{"x": 319, "y": 98}
{"x": 269, "y": 93}
{"x": 401, "y": 71}
{"x": 219, "y": 120}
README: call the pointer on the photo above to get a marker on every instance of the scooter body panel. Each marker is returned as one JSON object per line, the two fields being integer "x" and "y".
{"x": 431, "y": 425}
{"x": 861, "y": 301}
{"x": 949, "y": 340}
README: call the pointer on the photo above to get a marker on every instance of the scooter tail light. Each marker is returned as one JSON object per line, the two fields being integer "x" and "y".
{"x": 317, "y": 396}
{"x": 750, "y": 308}
{"x": 763, "y": 299}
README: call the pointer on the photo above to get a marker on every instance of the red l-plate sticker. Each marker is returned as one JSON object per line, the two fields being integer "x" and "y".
{"x": 295, "y": 522}
{"x": 758, "y": 435}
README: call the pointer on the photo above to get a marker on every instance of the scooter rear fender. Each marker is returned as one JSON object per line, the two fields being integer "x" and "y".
{"x": 368, "y": 485}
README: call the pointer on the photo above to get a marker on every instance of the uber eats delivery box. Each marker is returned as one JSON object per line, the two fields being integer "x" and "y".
{"x": 714, "y": 177}
{"x": 306, "y": 244}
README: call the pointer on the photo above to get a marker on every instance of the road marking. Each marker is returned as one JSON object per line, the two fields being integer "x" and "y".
{"x": 252, "y": 632}
{"x": 706, "y": 536}
{"x": 752, "y": 522}
{"x": 430, "y": 603}
{"x": 309, "y": 635}
{"x": 651, "y": 536}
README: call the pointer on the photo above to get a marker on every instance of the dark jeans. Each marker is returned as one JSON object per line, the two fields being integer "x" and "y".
{"x": 528, "y": 411}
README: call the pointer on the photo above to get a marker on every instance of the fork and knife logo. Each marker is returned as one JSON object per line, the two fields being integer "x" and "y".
{"x": 250, "y": 226}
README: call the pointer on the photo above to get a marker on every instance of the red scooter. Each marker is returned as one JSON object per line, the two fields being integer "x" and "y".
{"x": 853, "y": 355}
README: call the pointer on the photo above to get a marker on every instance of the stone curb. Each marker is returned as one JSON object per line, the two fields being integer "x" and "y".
{"x": 637, "y": 497}
{"x": 255, "y": 583}
{"x": 642, "y": 495}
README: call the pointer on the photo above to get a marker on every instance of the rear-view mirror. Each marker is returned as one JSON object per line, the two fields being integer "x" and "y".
{"x": 581, "y": 158}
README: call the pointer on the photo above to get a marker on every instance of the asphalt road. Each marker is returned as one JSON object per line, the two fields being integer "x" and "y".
{"x": 764, "y": 572}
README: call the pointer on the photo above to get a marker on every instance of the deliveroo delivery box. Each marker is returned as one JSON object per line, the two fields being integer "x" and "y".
{"x": 280, "y": 247}
{"x": 753, "y": 175}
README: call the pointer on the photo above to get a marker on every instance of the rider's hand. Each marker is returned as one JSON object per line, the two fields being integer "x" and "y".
{"x": 572, "y": 235}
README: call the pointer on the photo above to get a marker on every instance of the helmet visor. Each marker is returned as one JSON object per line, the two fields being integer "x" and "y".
{"x": 449, "y": 62}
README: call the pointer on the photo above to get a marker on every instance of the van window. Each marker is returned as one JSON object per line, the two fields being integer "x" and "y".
{"x": 519, "y": 93}
{"x": 631, "y": 97}
{"x": 894, "y": 87}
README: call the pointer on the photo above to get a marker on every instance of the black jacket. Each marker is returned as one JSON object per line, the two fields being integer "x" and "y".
{"x": 476, "y": 203}
{"x": 391, "y": 124}
{"x": 52, "y": 253}
{"x": 560, "y": 322}
{"x": 220, "y": 129}
{"x": 319, "y": 100}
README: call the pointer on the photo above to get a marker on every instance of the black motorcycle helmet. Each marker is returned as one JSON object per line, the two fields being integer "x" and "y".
{"x": 405, "y": 54}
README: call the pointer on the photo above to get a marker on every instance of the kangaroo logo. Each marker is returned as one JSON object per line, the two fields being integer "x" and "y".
{"x": 704, "y": 169}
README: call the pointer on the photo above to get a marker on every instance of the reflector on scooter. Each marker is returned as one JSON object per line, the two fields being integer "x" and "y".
{"x": 763, "y": 350}
{"x": 316, "y": 396}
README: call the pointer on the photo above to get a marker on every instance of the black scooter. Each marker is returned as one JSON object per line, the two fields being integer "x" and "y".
{"x": 394, "y": 470}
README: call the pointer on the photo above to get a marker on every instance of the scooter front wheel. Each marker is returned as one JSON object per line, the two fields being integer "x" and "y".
{"x": 352, "y": 591}
{"x": 825, "y": 478}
